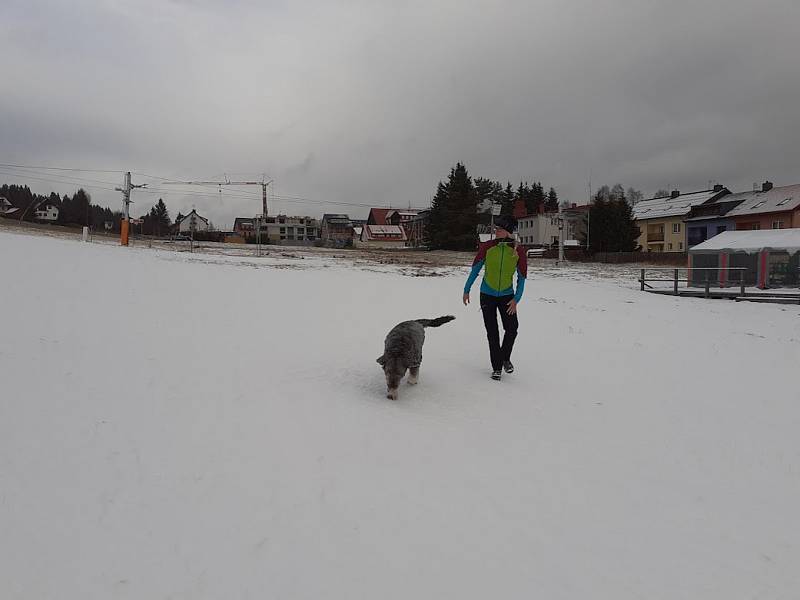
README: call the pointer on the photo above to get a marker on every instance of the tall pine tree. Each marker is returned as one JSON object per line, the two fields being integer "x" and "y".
{"x": 454, "y": 213}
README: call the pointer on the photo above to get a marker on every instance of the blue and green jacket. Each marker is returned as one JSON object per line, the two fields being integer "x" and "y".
{"x": 502, "y": 258}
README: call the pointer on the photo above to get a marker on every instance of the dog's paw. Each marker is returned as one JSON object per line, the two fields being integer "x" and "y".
{"x": 392, "y": 394}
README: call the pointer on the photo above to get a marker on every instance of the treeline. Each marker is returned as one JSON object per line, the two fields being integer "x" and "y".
{"x": 72, "y": 210}
{"x": 610, "y": 226}
{"x": 79, "y": 210}
{"x": 457, "y": 207}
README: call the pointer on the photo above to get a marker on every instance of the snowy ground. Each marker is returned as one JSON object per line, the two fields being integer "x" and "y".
{"x": 205, "y": 426}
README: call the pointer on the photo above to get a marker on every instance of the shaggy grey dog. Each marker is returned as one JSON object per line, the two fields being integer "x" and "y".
{"x": 403, "y": 352}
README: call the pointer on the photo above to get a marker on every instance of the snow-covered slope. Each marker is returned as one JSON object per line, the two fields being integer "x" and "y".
{"x": 176, "y": 426}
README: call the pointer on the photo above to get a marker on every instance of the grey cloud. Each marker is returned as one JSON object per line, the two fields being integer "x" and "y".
{"x": 372, "y": 102}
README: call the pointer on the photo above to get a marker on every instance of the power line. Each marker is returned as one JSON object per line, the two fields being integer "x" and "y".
{"x": 60, "y": 168}
{"x": 243, "y": 195}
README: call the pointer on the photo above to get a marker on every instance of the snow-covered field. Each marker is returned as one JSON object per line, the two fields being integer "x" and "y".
{"x": 198, "y": 426}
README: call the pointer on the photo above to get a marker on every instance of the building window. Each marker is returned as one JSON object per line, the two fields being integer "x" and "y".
{"x": 777, "y": 224}
{"x": 680, "y": 245}
{"x": 755, "y": 226}
{"x": 283, "y": 230}
{"x": 670, "y": 246}
{"x": 676, "y": 228}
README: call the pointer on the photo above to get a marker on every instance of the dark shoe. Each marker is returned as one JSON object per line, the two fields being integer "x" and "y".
{"x": 509, "y": 368}
{"x": 496, "y": 375}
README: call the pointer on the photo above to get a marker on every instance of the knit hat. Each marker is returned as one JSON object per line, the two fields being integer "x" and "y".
{"x": 506, "y": 222}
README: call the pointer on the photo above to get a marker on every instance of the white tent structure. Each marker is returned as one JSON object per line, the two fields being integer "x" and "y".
{"x": 771, "y": 257}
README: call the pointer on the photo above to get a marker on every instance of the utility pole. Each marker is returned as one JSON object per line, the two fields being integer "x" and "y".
{"x": 560, "y": 234}
{"x": 126, "y": 202}
{"x": 258, "y": 219}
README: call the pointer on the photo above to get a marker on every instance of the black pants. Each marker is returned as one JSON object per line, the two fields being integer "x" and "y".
{"x": 489, "y": 307}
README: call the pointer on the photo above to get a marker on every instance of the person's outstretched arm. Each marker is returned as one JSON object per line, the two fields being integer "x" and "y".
{"x": 522, "y": 274}
{"x": 477, "y": 265}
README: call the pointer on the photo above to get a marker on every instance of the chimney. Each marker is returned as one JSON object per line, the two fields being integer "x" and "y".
{"x": 766, "y": 186}
{"x": 674, "y": 194}
{"x": 574, "y": 205}
{"x": 718, "y": 187}
{"x": 541, "y": 208}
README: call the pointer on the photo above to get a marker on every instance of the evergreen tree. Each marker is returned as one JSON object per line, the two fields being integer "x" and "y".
{"x": 537, "y": 196}
{"x": 611, "y": 227}
{"x": 160, "y": 216}
{"x": 551, "y": 204}
{"x": 454, "y": 213}
{"x": 436, "y": 233}
{"x": 507, "y": 200}
{"x": 483, "y": 189}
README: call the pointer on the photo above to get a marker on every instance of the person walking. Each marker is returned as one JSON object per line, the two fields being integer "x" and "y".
{"x": 501, "y": 258}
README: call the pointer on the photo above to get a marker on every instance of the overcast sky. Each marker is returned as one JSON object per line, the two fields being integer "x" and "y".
{"x": 371, "y": 102}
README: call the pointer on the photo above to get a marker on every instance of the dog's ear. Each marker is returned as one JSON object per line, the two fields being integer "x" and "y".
{"x": 381, "y": 360}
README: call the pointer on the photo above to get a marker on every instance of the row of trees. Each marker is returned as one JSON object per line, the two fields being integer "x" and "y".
{"x": 79, "y": 210}
{"x": 610, "y": 225}
{"x": 72, "y": 210}
{"x": 532, "y": 195}
{"x": 455, "y": 209}
{"x": 454, "y": 216}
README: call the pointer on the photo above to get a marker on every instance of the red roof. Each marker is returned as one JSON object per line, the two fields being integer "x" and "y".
{"x": 377, "y": 216}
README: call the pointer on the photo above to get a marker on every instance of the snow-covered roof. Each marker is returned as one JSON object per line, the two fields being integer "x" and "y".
{"x": 659, "y": 208}
{"x": 383, "y": 232}
{"x": 194, "y": 212}
{"x": 752, "y": 241}
{"x": 778, "y": 199}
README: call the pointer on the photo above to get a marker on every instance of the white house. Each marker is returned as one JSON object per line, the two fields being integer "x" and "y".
{"x": 542, "y": 229}
{"x": 46, "y": 212}
{"x": 192, "y": 222}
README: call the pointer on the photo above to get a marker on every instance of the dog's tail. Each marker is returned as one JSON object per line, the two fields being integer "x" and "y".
{"x": 435, "y": 322}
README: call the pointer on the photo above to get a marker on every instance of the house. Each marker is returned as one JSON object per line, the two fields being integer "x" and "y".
{"x": 382, "y": 236}
{"x": 6, "y": 208}
{"x": 542, "y": 229}
{"x": 244, "y": 227}
{"x": 661, "y": 220}
{"x": 282, "y": 229}
{"x": 46, "y": 212}
{"x": 192, "y": 223}
{"x": 706, "y": 220}
{"x": 767, "y": 208}
{"x": 377, "y": 216}
{"x": 401, "y": 217}
{"x": 336, "y": 230}
{"x": 771, "y": 257}
{"x": 417, "y": 230}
